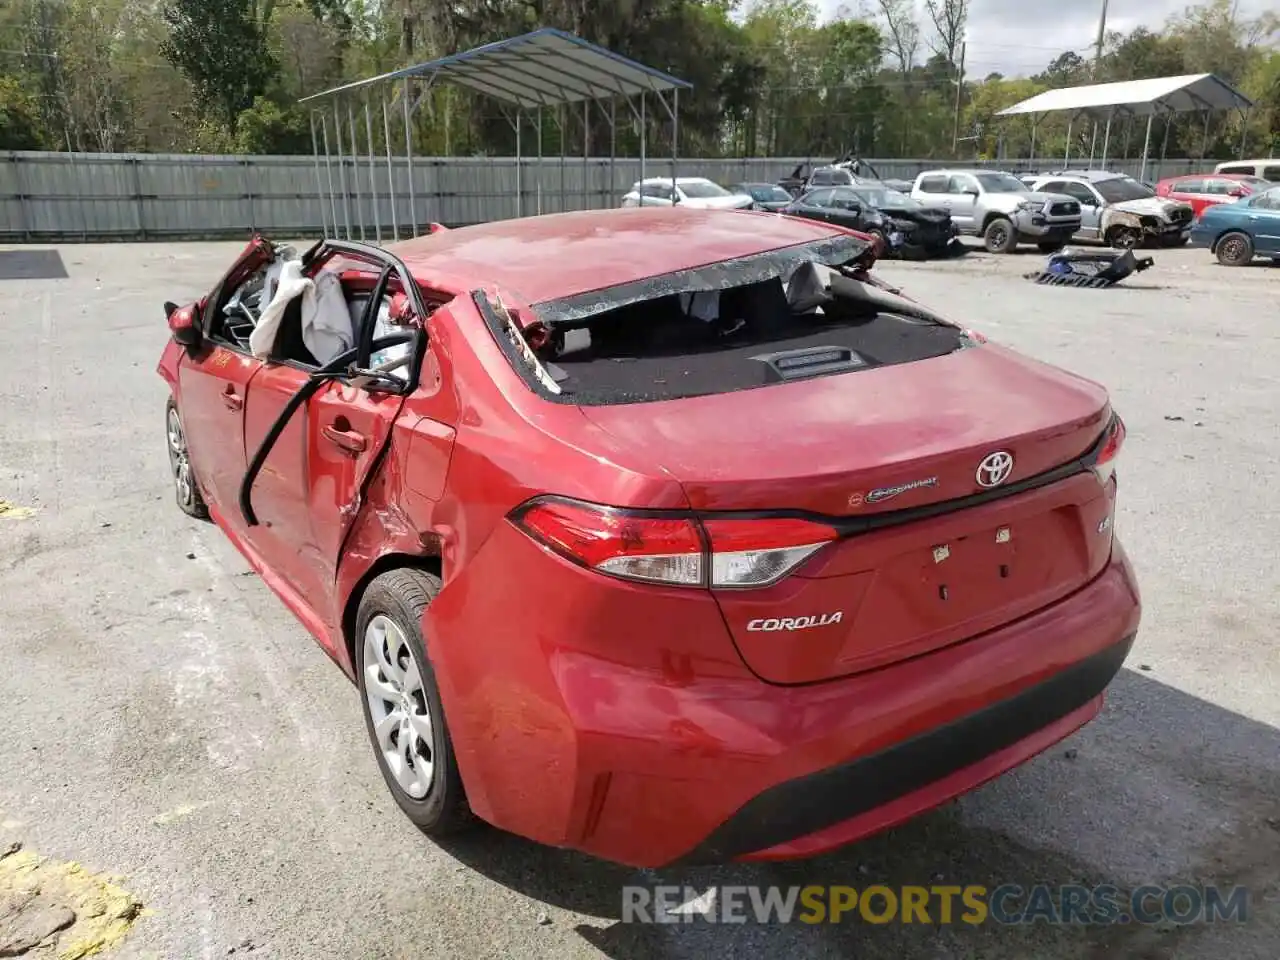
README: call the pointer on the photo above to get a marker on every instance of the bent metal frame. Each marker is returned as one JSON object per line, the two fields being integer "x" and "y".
{"x": 546, "y": 69}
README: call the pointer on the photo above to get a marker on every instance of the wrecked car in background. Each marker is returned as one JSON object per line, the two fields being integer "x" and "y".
{"x": 668, "y": 535}
{"x": 1118, "y": 210}
{"x": 999, "y": 208}
{"x": 901, "y": 226}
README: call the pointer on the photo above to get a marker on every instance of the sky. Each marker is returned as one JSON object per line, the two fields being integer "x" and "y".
{"x": 1020, "y": 37}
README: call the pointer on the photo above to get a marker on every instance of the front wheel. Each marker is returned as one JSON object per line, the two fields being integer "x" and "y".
{"x": 1126, "y": 238}
{"x": 186, "y": 490}
{"x": 1234, "y": 250}
{"x": 402, "y": 708}
{"x": 1000, "y": 236}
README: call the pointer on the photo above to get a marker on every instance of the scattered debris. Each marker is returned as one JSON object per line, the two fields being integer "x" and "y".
{"x": 11, "y": 511}
{"x": 191, "y": 556}
{"x": 1172, "y": 417}
{"x": 1144, "y": 667}
{"x": 1071, "y": 753}
{"x": 1091, "y": 268}
{"x": 543, "y": 920}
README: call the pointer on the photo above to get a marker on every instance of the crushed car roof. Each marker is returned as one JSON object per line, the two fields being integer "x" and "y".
{"x": 554, "y": 256}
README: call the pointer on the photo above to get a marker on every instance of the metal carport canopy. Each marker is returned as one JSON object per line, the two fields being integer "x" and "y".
{"x": 1156, "y": 96}
{"x": 1185, "y": 94}
{"x": 544, "y": 68}
{"x": 540, "y": 69}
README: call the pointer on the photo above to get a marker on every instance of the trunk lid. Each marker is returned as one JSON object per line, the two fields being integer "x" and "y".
{"x": 883, "y": 440}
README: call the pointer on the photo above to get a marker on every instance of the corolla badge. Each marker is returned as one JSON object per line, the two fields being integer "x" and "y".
{"x": 995, "y": 468}
{"x": 772, "y": 624}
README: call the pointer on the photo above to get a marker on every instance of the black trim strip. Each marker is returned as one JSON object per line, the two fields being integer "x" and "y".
{"x": 853, "y": 526}
{"x": 807, "y": 805}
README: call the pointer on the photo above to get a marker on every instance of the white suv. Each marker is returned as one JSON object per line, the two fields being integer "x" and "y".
{"x": 688, "y": 192}
{"x": 999, "y": 208}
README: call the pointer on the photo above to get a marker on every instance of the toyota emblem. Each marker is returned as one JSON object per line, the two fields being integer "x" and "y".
{"x": 995, "y": 468}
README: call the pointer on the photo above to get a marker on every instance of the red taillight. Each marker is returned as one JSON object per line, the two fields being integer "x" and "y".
{"x": 658, "y": 549}
{"x": 756, "y": 553}
{"x": 671, "y": 549}
{"x": 1105, "y": 465}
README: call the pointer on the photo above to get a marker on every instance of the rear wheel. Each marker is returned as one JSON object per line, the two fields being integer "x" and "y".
{"x": 1234, "y": 250}
{"x": 401, "y": 701}
{"x": 186, "y": 490}
{"x": 999, "y": 236}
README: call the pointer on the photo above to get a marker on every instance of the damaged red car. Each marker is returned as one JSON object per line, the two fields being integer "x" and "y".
{"x": 664, "y": 535}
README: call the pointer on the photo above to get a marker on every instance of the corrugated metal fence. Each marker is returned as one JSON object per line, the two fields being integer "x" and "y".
{"x": 77, "y": 196}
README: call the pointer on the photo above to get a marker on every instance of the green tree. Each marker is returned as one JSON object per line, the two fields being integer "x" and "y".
{"x": 221, "y": 47}
{"x": 19, "y": 117}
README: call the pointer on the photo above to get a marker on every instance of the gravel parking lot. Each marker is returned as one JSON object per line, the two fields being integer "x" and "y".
{"x": 164, "y": 719}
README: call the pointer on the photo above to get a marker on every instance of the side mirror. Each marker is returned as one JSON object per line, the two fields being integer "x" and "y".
{"x": 1236, "y": 192}
{"x": 182, "y": 325}
{"x": 972, "y": 192}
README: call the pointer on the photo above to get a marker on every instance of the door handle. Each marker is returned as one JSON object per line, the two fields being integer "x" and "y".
{"x": 230, "y": 399}
{"x": 348, "y": 440}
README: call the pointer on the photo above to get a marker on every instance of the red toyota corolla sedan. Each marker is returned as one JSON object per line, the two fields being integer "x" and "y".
{"x": 666, "y": 535}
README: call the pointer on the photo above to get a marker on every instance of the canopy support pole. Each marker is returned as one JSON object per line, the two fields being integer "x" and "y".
{"x": 1035, "y": 121}
{"x": 539, "y": 168}
{"x": 1106, "y": 140}
{"x": 1164, "y": 144}
{"x": 391, "y": 170}
{"x": 355, "y": 164}
{"x": 1244, "y": 130}
{"x": 1066, "y": 154}
{"x": 408, "y": 152}
{"x": 1204, "y": 143}
{"x": 613, "y": 149}
{"x": 643, "y": 124}
{"x": 564, "y": 190}
{"x": 586, "y": 152}
{"x": 342, "y": 168}
{"x": 328, "y": 169}
{"x": 1146, "y": 146}
{"x": 373, "y": 183}
{"x": 519, "y": 165}
{"x": 315, "y": 155}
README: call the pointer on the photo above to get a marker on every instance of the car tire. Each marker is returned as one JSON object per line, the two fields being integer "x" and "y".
{"x": 1126, "y": 238}
{"x": 1234, "y": 249}
{"x": 186, "y": 488}
{"x": 1000, "y": 236}
{"x": 390, "y": 658}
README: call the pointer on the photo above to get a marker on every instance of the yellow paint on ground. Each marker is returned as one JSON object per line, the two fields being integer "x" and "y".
{"x": 11, "y": 511}
{"x": 104, "y": 911}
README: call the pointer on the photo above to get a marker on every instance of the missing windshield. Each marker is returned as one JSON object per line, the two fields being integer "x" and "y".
{"x": 793, "y": 314}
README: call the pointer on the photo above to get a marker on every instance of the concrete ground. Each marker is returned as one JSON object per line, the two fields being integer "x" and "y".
{"x": 164, "y": 719}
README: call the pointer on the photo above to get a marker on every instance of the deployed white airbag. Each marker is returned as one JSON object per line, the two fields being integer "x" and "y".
{"x": 326, "y": 324}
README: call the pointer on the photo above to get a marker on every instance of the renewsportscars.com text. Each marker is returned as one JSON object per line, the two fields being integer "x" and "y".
{"x": 973, "y": 904}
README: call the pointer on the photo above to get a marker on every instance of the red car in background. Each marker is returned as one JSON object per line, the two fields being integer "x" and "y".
{"x": 1205, "y": 189}
{"x": 668, "y": 535}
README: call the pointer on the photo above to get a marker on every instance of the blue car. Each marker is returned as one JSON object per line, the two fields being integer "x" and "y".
{"x": 1238, "y": 232}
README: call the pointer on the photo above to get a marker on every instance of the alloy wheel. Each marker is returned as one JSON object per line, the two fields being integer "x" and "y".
{"x": 398, "y": 707}
{"x": 1233, "y": 249}
{"x": 179, "y": 462}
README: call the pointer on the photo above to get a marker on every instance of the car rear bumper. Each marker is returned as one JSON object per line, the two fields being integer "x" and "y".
{"x": 695, "y": 763}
